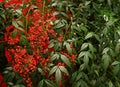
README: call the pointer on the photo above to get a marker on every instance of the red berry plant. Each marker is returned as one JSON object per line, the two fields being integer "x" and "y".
{"x": 39, "y": 48}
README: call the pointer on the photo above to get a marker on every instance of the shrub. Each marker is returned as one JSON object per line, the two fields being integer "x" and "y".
{"x": 61, "y": 43}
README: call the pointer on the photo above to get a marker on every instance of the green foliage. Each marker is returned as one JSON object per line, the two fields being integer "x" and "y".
{"x": 96, "y": 37}
{"x": 93, "y": 27}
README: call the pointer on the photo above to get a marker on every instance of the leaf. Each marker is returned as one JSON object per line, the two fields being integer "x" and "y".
{"x": 74, "y": 76}
{"x": 109, "y": 2}
{"x": 40, "y": 70}
{"x": 79, "y": 76}
{"x": 86, "y": 61}
{"x": 87, "y": 3}
{"x": 59, "y": 25}
{"x": 20, "y": 23}
{"x": 50, "y": 83}
{"x": 110, "y": 84}
{"x": 24, "y": 40}
{"x": 63, "y": 69}
{"x": 97, "y": 37}
{"x": 40, "y": 84}
{"x": 96, "y": 72}
{"x": 117, "y": 48}
{"x": 92, "y": 49}
{"x": 53, "y": 70}
{"x": 89, "y": 35}
{"x": 58, "y": 76}
{"x": 84, "y": 46}
{"x": 51, "y": 45}
{"x": 81, "y": 54}
{"x": 106, "y": 61}
{"x": 54, "y": 57}
{"x": 64, "y": 14}
{"x": 14, "y": 33}
{"x": 115, "y": 63}
{"x": 116, "y": 69}
{"x": 14, "y": 23}
{"x": 111, "y": 22}
{"x": 68, "y": 48}
{"x": 65, "y": 60}
{"x": 8, "y": 68}
{"x": 105, "y": 50}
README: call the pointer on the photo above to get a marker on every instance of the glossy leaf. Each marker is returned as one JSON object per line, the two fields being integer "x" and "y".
{"x": 65, "y": 60}
{"x": 53, "y": 70}
{"x": 58, "y": 76}
{"x": 63, "y": 69}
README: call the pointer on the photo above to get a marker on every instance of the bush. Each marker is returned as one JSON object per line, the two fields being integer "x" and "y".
{"x": 61, "y": 43}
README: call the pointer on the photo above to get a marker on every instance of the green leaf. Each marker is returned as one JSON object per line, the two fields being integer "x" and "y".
{"x": 96, "y": 72}
{"x": 97, "y": 37}
{"x": 74, "y": 76}
{"x": 14, "y": 23}
{"x": 65, "y": 60}
{"x": 51, "y": 45}
{"x": 89, "y": 35}
{"x": 115, "y": 63}
{"x": 50, "y": 83}
{"x": 58, "y": 76}
{"x": 109, "y": 2}
{"x": 53, "y": 70}
{"x": 86, "y": 61}
{"x": 63, "y": 69}
{"x": 105, "y": 50}
{"x": 14, "y": 33}
{"x": 40, "y": 70}
{"x": 116, "y": 69}
{"x": 40, "y": 84}
{"x": 68, "y": 48}
{"x": 81, "y": 54}
{"x": 92, "y": 49}
{"x": 84, "y": 46}
{"x": 54, "y": 57}
{"x": 111, "y": 22}
{"x": 106, "y": 61}
{"x": 8, "y": 68}
{"x": 24, "y": 40}
{"x": 20, "y": 23}
{"x": 110, "y": 84}
{"x": 59, "y": 25}
{"x": 79, "y": 76}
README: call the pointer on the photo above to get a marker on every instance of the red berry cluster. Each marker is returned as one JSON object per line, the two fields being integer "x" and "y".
{"x": 38, "y": 34}
{"x": 37, "y": 29}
